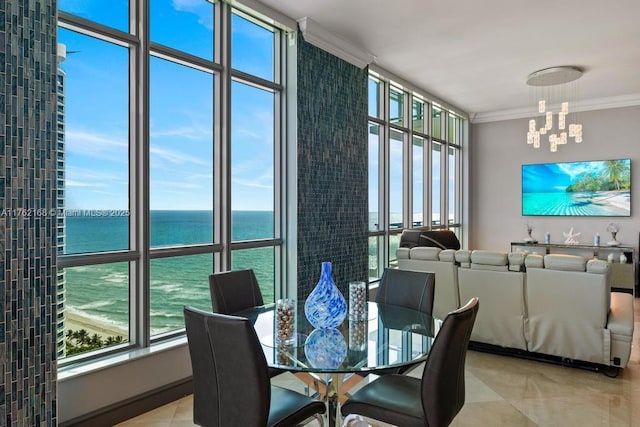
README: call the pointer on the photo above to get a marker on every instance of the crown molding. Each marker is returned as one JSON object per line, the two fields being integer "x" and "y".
{"x": 621, "y": 101}
{"x": 315, "y": 34}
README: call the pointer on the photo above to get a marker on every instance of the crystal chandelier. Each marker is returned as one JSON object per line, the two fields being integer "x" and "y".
{"x": 556, "y": 96}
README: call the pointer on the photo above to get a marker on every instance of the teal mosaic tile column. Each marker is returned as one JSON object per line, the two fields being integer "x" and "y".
{"x": 332, "y": 168}
{"x": 27, "y": 224}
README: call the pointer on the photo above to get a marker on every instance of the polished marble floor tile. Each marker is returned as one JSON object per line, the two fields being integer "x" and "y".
{"x": 505, "y": 391}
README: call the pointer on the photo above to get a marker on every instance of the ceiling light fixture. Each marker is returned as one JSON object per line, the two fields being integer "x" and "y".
{"x": 555, "y": 90}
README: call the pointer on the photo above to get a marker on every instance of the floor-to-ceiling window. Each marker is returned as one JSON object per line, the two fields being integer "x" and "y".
{"x": 171, "y": 159}
{"x": 415, "y": 148}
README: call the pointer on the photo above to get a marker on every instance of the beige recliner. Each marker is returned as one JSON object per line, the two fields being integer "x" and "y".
{"x": 572, "y": 312}
{"x": 496, "y": 278}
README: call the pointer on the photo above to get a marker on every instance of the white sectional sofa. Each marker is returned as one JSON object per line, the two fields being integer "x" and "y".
{"x": 553, "y": 305}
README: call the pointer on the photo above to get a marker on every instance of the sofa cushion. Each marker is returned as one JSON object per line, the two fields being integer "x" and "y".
{"x": 448, "y": 255}
{"x": 463, "y": 257}
{"x": 424, "y": 253}
{"x": 443, "y": 239}
{"x": 534, "y": 261}
{"x": 565, "y": 262}
{"x": 402, "y": 253}
{"x": 489, "y": 267}
{"x": 489, "y": 257}
{"x": 597, "y": 266}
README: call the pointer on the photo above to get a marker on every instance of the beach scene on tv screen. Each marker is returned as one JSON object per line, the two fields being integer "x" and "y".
{"x": 594, "y": 188}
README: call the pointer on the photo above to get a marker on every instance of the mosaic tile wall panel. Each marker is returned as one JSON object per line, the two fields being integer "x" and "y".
{"x": 27, "y": 227}
{"x": 332, "y": 168}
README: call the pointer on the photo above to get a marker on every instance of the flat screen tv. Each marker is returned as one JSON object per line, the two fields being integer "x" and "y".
{"x": 592, "y": 188}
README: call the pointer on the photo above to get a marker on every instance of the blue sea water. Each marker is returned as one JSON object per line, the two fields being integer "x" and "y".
{"x": 101, "y": 292}
{"x": 576, "y": 204}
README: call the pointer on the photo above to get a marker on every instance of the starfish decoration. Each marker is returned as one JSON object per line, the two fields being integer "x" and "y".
{"x": 571, "y": 237}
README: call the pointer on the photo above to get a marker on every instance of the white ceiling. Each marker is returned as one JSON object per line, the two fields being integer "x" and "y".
{"x": 476, "y": 54}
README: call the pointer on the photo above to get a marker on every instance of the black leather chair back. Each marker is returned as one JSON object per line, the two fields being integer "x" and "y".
{"x": 410, "y": 289}
{"x": 443, "y": 387}
{"x": 234, "y": 291}
{"x": 231, "y": 384}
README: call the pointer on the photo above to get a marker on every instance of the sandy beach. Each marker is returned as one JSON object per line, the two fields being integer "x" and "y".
{"x": 76, "y": 322}
{"x": 619, "y": 199}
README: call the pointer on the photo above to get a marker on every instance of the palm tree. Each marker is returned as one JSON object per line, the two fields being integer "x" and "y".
{"x": 615, "y": 169}
{"x": 82, "y": 337}
{"x": 96, "y": 341}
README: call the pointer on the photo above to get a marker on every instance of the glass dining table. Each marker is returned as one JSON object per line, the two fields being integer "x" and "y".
{"x": 332, "y": 361}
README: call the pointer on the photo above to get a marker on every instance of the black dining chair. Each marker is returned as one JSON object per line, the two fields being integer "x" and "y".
{"x": 235, "y": 291}
{"x": 231, "y": 382}
{"x": 437, "y": 397}
{"x": 410, "y": 289}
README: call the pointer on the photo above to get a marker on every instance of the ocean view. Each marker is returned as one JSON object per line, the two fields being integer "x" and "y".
{"x": 97, "y": 296}
{"x": 100, "y": 293}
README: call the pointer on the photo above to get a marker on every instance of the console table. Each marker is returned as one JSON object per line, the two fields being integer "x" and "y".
{"x": 623, "y": 277}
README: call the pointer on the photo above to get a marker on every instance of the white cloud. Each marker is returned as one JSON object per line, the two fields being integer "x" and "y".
{"x": 72, "y": 183}
{"x": 172, "y": 184}
{"x": 264, "y": 180}
{"x": 249, "y": 133}
{"x": 105, "y": 147}
{"x": 203, "y": 9}
{"x": 177, "y": 157}
{"x": 184, "y": 132}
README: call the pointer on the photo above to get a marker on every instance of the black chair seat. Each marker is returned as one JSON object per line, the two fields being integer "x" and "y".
{"x": 230, "y": 379}
{"x": 410, "y": 289}
{"x": 436, "y": 398}
{"x": 393, "y": 399}
{"x": 235, "y": 291}
{"x": 289, "y": 408}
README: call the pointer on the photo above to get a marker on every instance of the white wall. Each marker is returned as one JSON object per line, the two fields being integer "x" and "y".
{"x": 136, "y": 374}
{"x": 499, "y": 149}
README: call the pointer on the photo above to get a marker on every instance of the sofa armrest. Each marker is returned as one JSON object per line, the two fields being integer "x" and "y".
{"x": 516, "y": 261}
{"x": 621, "y": 314}
{"x": 620, "y": 326}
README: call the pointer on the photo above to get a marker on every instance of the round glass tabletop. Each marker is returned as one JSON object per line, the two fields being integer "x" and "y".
{"x": 386, "y": 336}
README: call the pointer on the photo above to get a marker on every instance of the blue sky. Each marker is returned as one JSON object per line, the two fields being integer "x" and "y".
{"x": 181, "y": 105}
{"x": 555, "y": 177}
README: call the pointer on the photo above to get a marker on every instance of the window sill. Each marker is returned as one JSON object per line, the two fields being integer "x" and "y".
{"x": 84, "y": 368}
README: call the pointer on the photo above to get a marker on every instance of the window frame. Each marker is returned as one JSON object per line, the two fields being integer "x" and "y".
{"x": 386, "y": 235}
{"x": 140, "y": 253}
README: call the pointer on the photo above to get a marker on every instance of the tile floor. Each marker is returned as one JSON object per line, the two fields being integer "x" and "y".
{"x": 506, "y": 391}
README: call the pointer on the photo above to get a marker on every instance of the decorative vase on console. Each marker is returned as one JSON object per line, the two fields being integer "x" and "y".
{"x": 325, "y": 306}
{"x": 613, "y": 229}
{"x": 529, "y": 238}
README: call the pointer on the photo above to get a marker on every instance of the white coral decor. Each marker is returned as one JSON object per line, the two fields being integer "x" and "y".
{"x": 571, "y": 237}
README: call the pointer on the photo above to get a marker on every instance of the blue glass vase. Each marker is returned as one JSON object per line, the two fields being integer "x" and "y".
{"x": 325, "y": 306}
